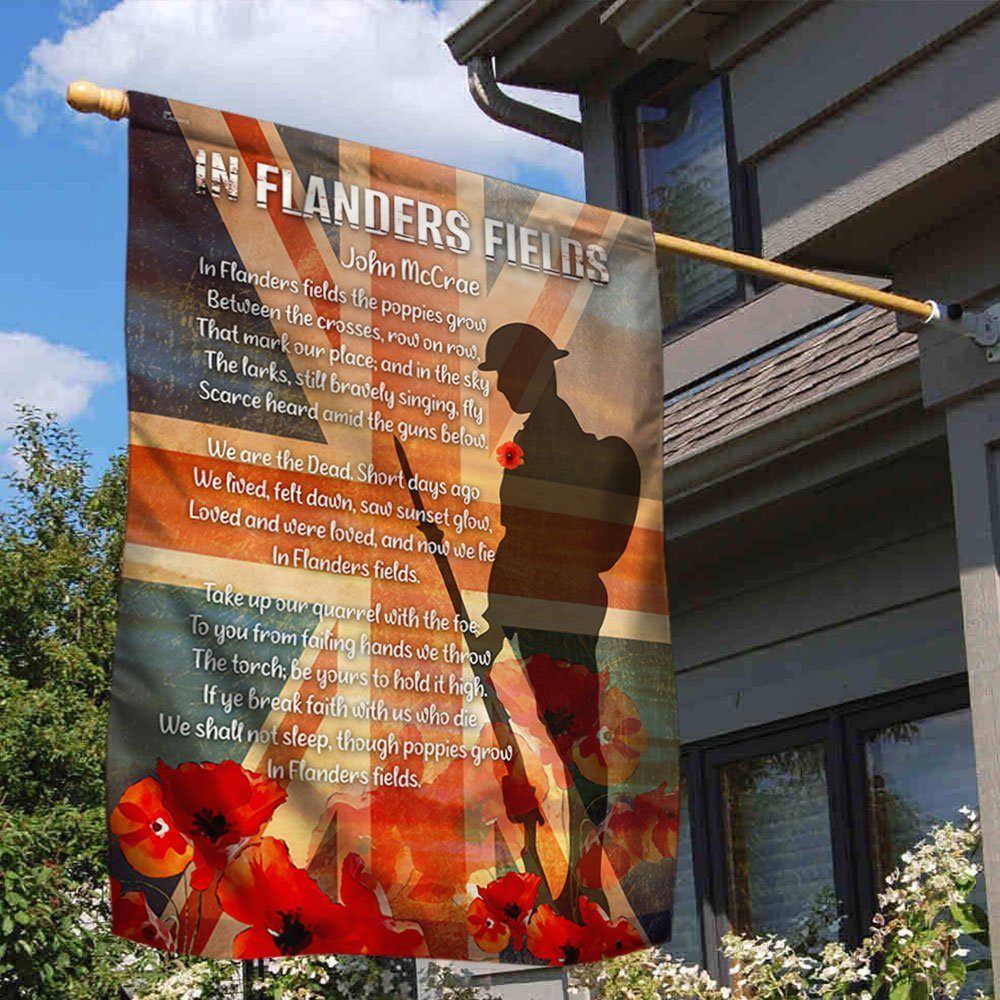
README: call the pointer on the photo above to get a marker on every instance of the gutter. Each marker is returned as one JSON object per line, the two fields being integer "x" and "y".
{"x": 519, "y": 115}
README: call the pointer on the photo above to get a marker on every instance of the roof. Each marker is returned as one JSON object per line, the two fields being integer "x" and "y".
{"x": 836, "y": 357}
{"x": 561, "y": 44}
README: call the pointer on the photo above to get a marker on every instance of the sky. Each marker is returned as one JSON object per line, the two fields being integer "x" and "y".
{"x": 374, "y": 71}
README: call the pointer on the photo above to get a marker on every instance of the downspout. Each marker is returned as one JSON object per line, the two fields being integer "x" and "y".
{"x": 517, "y": 114}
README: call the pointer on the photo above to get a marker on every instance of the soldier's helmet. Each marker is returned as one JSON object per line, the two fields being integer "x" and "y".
{"x": 520, "y": 346}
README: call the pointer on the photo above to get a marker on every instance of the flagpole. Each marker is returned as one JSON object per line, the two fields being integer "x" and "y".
{"x": 925, "y": 311}
{"x": 88, "y": 98}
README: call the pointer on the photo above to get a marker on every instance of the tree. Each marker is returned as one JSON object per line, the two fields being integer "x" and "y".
{"x": 61, "y": 540}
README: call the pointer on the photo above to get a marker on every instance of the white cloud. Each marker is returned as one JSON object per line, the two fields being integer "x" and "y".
{"x": 52, "y": 377}
{"x": 375, "y": 71}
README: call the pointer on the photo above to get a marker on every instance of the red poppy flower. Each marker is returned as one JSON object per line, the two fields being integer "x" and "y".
{"x": 147, "y": 833}
{"x": 511, "y": 899}
{"x": 567, "y": 699}
{"x": 377, "y": 932}
{"x": 510, "y": 455}
{"x": 556, "y": 940}
{"x": 651, "y": 826}
{"x": 287, "y": 911}
{"x": 490, "y": 933}
{"x": 522, "y": 792}
{"x": 599, "y": 848}
{"x": 607, "y": 938}
{"x": 610, "y": 754}
{"x": 132, "y": 918}
{"x": 514, "y": 690}
{"x": 638, "y": 828}
{"x": 220, "y": 807}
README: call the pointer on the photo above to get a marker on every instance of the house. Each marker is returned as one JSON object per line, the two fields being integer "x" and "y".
{"x": 830, "y": 473}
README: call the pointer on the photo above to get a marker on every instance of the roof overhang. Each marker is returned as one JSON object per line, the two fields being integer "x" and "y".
{"x": 561, "y": 44}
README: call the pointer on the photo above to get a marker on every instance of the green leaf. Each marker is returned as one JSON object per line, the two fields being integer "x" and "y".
{"x": 900, "y": 989}
{"x": 955, "y": 970}
{"x": 972, "y": 921}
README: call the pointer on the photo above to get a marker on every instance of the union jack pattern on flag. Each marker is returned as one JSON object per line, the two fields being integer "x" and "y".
{"x": 393, "y": 674}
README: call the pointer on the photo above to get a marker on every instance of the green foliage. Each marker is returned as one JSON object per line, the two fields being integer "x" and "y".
{"x": 61, "y": 539}
{"x": 915, "y": 950}
{"x": 337, "y": 977}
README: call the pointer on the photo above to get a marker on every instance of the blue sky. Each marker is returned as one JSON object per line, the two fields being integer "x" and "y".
{"x": 62, "y": 256}
{"x": 374, "y": 71}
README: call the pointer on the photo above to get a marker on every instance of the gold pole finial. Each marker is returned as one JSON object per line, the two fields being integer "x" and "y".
{"x": 87, "y": 97}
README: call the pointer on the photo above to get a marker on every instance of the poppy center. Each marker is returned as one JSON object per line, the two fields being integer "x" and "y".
{"x": 570, "y": 953}
{"x": 558, "y": 720}
{"x": 210, "y": 824}
{"x": 159, "y": 827}
{"x": 294, "y": 936}
{"x": 512, "y": 910}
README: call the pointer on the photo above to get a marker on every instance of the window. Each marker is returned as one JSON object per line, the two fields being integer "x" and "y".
{"x": 793, "y": 827}
{"x": 918, "y": 773}
{"x": 779, "y": 858}
{"x": 682, "y": 176}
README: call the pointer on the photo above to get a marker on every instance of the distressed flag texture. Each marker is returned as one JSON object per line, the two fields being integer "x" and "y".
{"x": 266, "y": 795}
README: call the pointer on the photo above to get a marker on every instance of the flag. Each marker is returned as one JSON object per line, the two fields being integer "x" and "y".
{"x": 393, "y": 672}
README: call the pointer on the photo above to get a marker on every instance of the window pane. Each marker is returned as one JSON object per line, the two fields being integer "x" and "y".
{"x": 779, "y": 858}
{"x": 919, "y": 774}
{"x": 685, "y": 190}
{"x": 685, "y": 938}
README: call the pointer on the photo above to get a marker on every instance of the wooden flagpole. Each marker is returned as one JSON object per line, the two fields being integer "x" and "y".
{"x": 88, "y": 98}
{"x": 925, "y": 311}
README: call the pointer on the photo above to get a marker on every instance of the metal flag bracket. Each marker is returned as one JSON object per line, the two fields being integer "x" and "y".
{"x": 981, "y": 327}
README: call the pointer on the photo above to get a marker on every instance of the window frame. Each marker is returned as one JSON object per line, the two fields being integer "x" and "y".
{"x": 681, "y": 78}
{"x": 841, "y": 729}
{"x": 921, "y": 706}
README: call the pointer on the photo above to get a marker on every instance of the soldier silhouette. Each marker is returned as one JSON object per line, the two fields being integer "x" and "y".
{"x": 567, "y": 509}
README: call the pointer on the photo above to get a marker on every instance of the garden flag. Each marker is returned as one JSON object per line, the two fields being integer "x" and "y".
{"x": 393, "y": 673}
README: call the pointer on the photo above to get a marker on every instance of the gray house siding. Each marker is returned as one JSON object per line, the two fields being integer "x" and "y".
{"x": 842, "y": 592}
{"x": 882, "y": 652}
{"x": 829, "y": 147}
{"x": 857, "y": 45}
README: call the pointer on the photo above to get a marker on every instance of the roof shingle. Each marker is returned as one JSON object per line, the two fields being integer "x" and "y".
{"x": 836, "y": 358}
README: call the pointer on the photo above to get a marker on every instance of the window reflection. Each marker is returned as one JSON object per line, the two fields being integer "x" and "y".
{"x": 919, "y": 774}
{"x": 685, "y": 939}
{"x": 685, "y": 190}
{"x": 779, "y": 857}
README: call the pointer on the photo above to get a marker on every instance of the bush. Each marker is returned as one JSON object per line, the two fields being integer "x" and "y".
{"x": 914, "y": 948}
